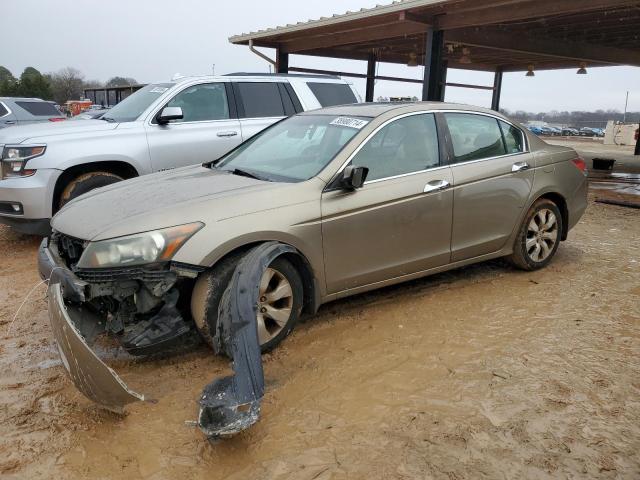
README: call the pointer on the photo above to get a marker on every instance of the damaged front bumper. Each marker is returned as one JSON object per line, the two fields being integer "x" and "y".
{"x": 227, "y": 405}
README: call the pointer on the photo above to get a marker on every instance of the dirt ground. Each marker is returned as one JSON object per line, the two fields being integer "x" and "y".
{"x": 484, "y": 372}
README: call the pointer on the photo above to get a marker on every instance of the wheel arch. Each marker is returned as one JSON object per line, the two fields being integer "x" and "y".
{"x": 561, "y": 203}
{"x": 311, "y": 294}
{"x": 117, "y": 167}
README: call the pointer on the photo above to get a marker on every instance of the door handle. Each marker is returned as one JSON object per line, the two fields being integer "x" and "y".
{"x": 227, "y": 134}
{"x": 9, "y": 122}
{"x": 519, "y": 166}
{"x": 436, "y": 185}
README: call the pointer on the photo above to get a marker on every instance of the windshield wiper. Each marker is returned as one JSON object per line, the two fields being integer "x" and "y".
{"x": 245, "y": 173}
{"x": 108, "y": 119}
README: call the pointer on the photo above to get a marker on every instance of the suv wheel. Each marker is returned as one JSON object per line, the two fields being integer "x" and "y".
{"x": 85, "y": 183}
{"x": 539, "y": 236}
{"x": 279, "y": 302}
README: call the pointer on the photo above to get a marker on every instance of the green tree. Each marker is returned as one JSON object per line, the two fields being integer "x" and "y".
{"x": 33, "y": 84}
{"x": 8, "y": 83}
{"x": 121, "y": 82}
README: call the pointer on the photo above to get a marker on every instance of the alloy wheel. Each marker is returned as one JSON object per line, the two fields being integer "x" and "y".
{"x": 542, "y": 235}
{"x": 274, "y": 305}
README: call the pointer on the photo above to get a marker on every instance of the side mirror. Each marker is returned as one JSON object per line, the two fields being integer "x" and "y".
{"x": 169, "y": 113}
{"x": 353, "y": 177}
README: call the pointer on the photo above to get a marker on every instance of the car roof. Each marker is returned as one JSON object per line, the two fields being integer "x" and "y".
{"x": 22, "y": 99}
{"x": 378, "y": 108}
{"x": 253, "y": 76}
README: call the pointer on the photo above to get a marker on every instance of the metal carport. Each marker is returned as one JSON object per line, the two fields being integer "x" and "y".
{"x": 487, "y": 35}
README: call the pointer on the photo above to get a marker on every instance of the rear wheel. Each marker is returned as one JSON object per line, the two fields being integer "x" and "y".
{"x": 85, "y": 183}
{"x": 279, "y": 300}
{"x": 539, "y": 236}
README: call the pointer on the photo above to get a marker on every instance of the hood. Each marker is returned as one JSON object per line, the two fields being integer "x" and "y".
{"x": 33, "y": 131}
{"x": 161, "y": 200}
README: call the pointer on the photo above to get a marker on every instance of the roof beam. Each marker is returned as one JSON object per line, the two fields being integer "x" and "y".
{"x": 521, "y": 10}
{"x": 546, "y": 47}
{"x": 380, "y": 32}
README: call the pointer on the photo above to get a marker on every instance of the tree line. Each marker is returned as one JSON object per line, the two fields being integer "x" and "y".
{"x": 65, "y": 84}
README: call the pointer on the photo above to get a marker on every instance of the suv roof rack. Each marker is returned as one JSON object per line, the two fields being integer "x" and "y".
{"x": 258, "y": 74}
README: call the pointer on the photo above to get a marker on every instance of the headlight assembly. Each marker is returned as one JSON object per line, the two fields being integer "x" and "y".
{"x": 14, "y": 160}
{"x": 138, "y": 249}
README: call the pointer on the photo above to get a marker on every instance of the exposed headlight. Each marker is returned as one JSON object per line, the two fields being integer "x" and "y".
{"x": 14, "y": 160}
{"x": 141, "y": 248}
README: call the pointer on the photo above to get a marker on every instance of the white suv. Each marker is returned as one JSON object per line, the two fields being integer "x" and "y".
{"x": 160, "y": 127}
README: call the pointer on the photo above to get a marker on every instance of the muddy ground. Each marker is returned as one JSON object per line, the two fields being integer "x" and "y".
{"x": 484, "y": 372}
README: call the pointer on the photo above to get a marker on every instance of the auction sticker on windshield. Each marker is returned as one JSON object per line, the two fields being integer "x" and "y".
{"x": 357, "y": 123}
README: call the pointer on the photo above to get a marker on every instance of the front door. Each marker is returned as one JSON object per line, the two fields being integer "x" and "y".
{"x": 399, "y": 222}
{"x": 207, "y": 131}
{"x": 493, "y": 176}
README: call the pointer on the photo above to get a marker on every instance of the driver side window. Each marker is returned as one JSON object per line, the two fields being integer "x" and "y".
{"x": 202, "y": 102}
{"x": 407, "y": 145}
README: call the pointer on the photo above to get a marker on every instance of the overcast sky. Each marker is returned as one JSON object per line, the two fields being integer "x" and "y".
{"x": 151, "y": 40}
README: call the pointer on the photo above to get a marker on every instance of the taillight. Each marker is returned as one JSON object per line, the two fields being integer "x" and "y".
{"x": 57, "y": 119}
{"x": 580, "y": 164}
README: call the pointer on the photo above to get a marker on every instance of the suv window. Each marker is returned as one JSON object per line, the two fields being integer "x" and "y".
{"x": 202, "y": 102}
{"x": 512, "y": 138}
{"x": 474, "y": 137}
{"x": 407, "y": 145}
{"x": 39, "y": 108}
{"x": 3, "y": 110}
{"x": 260, "y": 99}
{"x": 330, "y": 94}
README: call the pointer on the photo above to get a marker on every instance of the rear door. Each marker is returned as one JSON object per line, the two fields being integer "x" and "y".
{"x": 209, "y": 129}
{"x": 493, "y": 176}
{"x": 261, "y": 104}
{"x": 7, "y": 117}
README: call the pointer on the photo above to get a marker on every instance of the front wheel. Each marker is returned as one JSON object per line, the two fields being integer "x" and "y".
{"x": 279, "y": 301}
{"x": 539, "y": 236}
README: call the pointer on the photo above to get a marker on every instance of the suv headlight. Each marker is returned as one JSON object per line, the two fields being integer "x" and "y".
{"x": 138, "y": 249}
{"x": 14, "y": 160}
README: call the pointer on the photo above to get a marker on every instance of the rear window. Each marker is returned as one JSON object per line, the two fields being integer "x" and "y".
{"x": 3, "y": 110}
{"x": 39, "y": 108}
{"x": 330, "y": 94}
{"x": 260, "y": 99}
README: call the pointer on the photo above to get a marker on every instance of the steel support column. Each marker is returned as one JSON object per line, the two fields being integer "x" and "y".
{"x": 282, "y": 61}
{"x": 371, "y": 78}
{"x": 497, "y": 90}
{"x": 637, "y": 150}
{"x": 435, "y": 69}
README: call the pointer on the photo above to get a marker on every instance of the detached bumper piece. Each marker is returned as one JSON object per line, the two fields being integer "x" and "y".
{"x": 232, "y": 404}
{"x": 88, "y": 373}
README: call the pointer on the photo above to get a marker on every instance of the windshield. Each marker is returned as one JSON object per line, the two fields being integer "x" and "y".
{"x": 295, "y": 149}
{"x": 132, "y": 107}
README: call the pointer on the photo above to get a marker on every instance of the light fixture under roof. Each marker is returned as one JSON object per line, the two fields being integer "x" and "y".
{"x": 583, "y": 69}
{"x": 465, "y": 59}
{"x": 413, "y": 60}
{"x": 530, "y": 72}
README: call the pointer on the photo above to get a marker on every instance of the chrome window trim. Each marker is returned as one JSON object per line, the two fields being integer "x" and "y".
{"x": 9, "y": 111}
{"x": 432, "y": 111}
